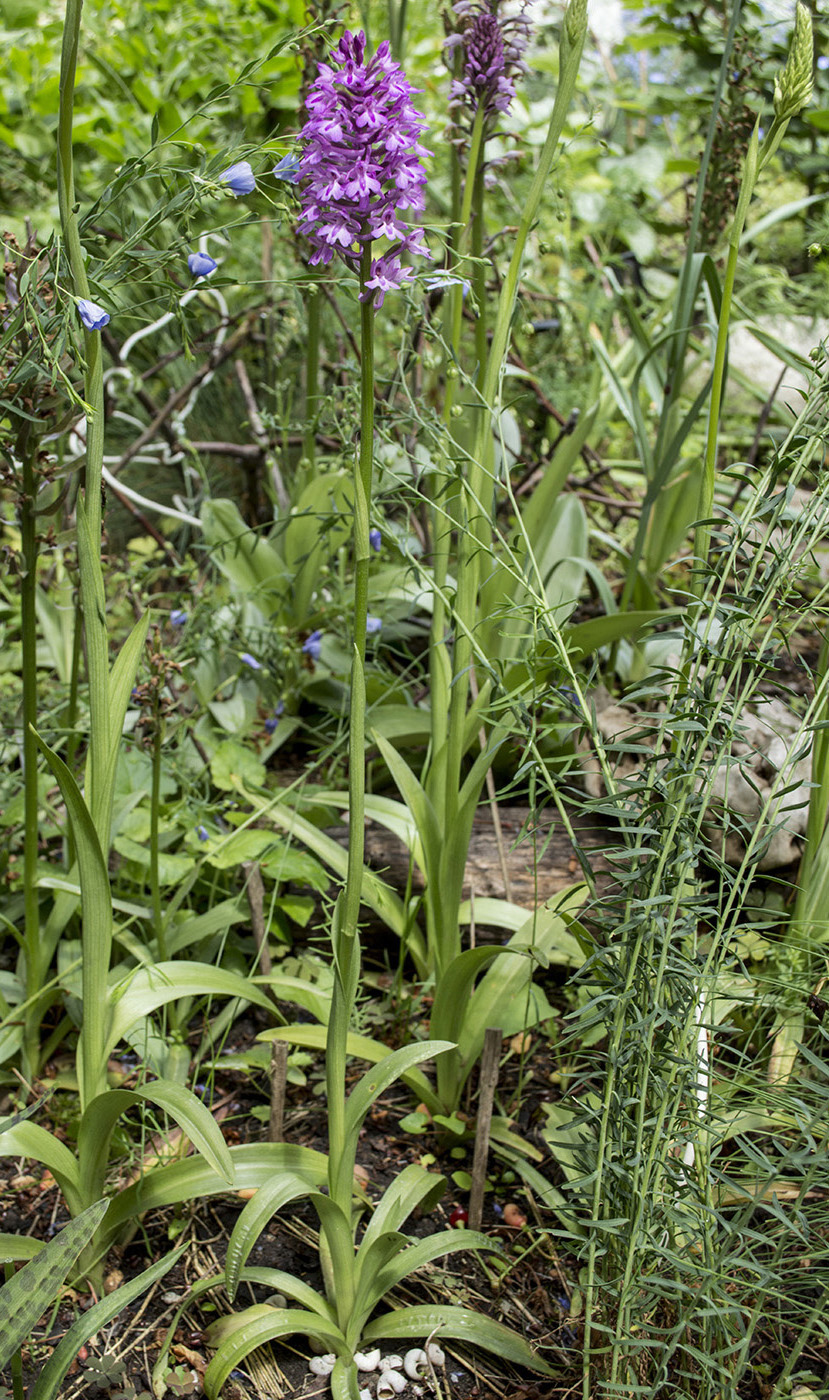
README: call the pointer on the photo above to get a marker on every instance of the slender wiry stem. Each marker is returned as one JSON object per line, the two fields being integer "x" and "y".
{"x": 32, "y": 942}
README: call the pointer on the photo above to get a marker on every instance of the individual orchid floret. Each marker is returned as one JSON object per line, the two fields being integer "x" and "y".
{"x": 239, "y": 178}
{"x": 312, "y": 646}
{"x": 93, "y": 316}
{"x": 361, "y": 164}
{"x": 287, "y": 169}
{"x": 201, "y": 264}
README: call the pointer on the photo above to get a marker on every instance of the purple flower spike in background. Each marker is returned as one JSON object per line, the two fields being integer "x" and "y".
{"x": 201, "y": 264}
{"x": 361, "y": 164}
{"x": 492, "y": 42}
{"x": 375, "y": 539}
{"x": 239, "y": 178}
{"x": 251, "y": 661}
{"x": 313, "y": 645}
{"x": 93, "y": 316}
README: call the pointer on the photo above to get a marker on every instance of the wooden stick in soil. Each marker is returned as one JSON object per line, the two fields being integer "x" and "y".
{"x": 256, "y": 900}
{"x": 488, "y": 1079}
{"x": 279, "y": 1072}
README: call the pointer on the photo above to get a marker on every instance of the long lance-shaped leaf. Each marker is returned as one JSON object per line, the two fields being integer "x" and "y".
{"x": 97, "y": 658}
{"x": 414, "y": 1187}
{"x": 363, "y": 1047}
{"x": 97, "y": 931}
{"x": 29, "y": 1293}
{"x": 189, "y": 1113}
{"x": 240, "y": 1335}
{"x": 417, "y": 802}
{"x": 151, "y": 987}
{"x": 253, "y": 1165}
{"x": 407, "y": 1261}
{"x": 32, "y": 1141}
{"x": 463, "y": 1325}
{"x": 370, "y": 1087}
{"x": 48, "y": 1385}
{"x": 278, "y": 1281}
{"x": 121, "y": 682}
{"x": 269, "y": 1199}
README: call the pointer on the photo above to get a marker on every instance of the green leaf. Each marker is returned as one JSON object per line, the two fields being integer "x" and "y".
{"x": 280, "y": 1282}
{"x": 583, "y": 638}
{"x": 31, "y": 1141}
{"x": 233, "y": 766}
{"x": 28, "y": 1294}
{"x": 97, "y": 929}
{"x": 258, "y": 1211}
{"x": 243, "y": 555}
{"x": 14, "y": 1247}
{"x": 148, "y": 988}
{"x": 362, "y": 1047}
{"x": 253, "y": 1165}
{"x": 378, "y": 1079}
{"x": 237, "y": 1336}
{"x": 424, "y": 1252}
{"x": 413, "y": 1188}
{"x": 462, "y": 1325}
{"x": 49, "y": 1382}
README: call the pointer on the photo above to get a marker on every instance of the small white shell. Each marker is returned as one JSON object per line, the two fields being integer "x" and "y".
{"x": 435, "y": 1354}
{"x": 391, "y": 1363}
{"x": 322, "y": 1365}
{"x": 367, "y": 1360}
{"x": 390, "y": 1383}
{"x": 415, "y": 1363}
{"x": 365, "y": 1394}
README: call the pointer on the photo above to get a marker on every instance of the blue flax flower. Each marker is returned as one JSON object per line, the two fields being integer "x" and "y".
{"x": 313, "y": 645}
{"x": 93, "y": 316}
{"x": 373, "y": 625}
{"x": 251, "y": 661}
{"x": 375, "y": 539}
{"x": 178, "y": 617}
{"x": 239, "y": 178}
{"x": 202, "y": 833}
{"x": 201, "y": 264}
{"x": 287, "y": 169}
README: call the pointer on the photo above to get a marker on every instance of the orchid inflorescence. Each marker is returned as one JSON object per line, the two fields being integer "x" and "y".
{"x": 361, "y": 164}
{"x": 492, "y": 40}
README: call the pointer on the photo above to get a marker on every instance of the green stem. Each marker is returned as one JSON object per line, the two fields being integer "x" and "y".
{"x": 32, "y": 943}
{"x": 346, "y": 944}
{"x": 476, "y": 532}
{"x": 155, "y": 802}
{"x": 312, "y": 362}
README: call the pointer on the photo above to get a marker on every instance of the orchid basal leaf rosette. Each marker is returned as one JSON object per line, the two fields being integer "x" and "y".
{"x": 360, "y": 170}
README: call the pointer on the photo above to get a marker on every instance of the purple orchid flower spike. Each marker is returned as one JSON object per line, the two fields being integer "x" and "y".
{"x": 361, "y": 164}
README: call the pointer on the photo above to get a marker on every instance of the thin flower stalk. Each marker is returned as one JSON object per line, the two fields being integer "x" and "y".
{"x": 476, "y": 538}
